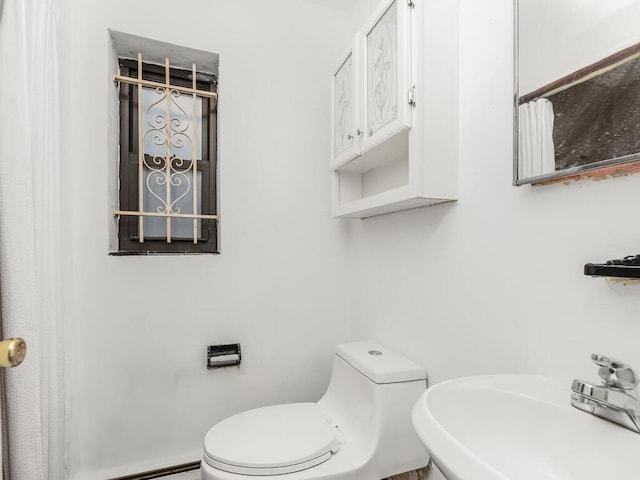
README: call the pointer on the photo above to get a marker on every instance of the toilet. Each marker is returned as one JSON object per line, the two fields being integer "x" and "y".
{"x": 359, "y": 430}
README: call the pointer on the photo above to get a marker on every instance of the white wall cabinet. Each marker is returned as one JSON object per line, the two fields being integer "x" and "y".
{"x": 371, "y": 86}
{"x": 394, "y": 111}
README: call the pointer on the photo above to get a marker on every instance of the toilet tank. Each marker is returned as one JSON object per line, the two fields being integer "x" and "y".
{"x": 370, "y": 396}
{"x": 380, "y": 364}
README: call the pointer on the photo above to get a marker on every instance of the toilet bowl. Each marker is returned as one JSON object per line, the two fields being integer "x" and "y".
{"x": 359, "y": 430}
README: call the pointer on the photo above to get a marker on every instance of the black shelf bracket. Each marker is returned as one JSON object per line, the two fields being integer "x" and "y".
{"x": 628, "y": 267}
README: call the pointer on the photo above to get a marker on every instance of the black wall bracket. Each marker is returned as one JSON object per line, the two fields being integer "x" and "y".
{"x": 628, "y": 267}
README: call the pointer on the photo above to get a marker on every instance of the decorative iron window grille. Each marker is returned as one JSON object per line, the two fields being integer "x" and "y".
{"x": 168, "y": 143}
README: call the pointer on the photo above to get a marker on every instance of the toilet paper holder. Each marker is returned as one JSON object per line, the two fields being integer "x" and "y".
{"x": 219, "y": 356}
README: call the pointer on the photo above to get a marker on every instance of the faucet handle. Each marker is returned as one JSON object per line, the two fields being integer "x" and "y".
{"x": 615, "y": 373}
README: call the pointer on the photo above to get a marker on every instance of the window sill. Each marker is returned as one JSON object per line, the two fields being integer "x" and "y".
{"x": 150, "y": 253}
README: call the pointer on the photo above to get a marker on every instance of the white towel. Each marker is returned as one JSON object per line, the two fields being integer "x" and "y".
{"x": 536, "y": 152}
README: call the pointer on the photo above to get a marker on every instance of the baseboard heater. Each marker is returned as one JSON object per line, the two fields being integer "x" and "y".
{"x": 161, "y": 472}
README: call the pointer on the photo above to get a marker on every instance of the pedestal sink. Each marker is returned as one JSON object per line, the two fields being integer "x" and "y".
{"x": 520, "y": 427}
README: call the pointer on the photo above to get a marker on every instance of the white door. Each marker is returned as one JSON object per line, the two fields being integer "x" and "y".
{"x": 12, "y": 353}
{"x": 345, "y": 110}
{"x": 386, "y": 73}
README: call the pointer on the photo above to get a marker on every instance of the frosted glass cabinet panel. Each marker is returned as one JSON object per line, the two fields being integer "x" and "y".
{"x": 345, "y": 110}
{"x": 387, "y": 76}
{"x": 382, "y": 68}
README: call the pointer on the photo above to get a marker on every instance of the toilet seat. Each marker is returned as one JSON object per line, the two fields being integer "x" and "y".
{"x": 271, "y": 440}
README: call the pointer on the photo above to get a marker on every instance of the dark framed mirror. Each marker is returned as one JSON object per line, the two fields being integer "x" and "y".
{"x": 577, "y": 89}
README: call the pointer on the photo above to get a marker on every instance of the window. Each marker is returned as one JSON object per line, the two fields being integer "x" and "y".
{"x": 167, "y": 168}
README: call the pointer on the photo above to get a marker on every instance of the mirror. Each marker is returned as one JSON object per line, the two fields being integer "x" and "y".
{"x": 577, "y": 99}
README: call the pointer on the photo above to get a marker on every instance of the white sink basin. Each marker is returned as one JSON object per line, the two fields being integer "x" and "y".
{"x": 520, "y": 427}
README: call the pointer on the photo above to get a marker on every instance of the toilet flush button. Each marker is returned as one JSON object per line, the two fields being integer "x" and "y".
{"x": 374, "y": 353}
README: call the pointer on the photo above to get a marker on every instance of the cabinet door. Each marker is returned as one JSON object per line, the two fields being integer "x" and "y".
{"x": 386, "y": 66}
{"x": 345, "y": 111}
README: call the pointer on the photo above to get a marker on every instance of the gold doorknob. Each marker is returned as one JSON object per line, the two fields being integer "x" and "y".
{"x": 12, "y": 352}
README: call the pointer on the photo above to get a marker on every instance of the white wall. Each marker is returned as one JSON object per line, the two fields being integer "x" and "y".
{"x": 138, "y": 393}
{"x": 494, "y": 284}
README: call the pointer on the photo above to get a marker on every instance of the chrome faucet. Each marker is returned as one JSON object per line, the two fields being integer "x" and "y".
{"x": 616, "y": 399}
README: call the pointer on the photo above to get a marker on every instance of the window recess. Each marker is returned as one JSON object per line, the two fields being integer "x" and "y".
{"x": 167, "y": 169}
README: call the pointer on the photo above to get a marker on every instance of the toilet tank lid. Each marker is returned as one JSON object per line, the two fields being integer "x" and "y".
{"x": 380, "y": 364}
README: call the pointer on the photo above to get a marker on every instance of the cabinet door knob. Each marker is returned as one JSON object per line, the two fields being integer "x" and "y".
{"x": 359, "y": 132}
{"x": 349, "y": 137}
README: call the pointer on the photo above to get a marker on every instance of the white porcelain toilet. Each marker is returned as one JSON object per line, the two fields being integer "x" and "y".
{"x": 359, "y": 430}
